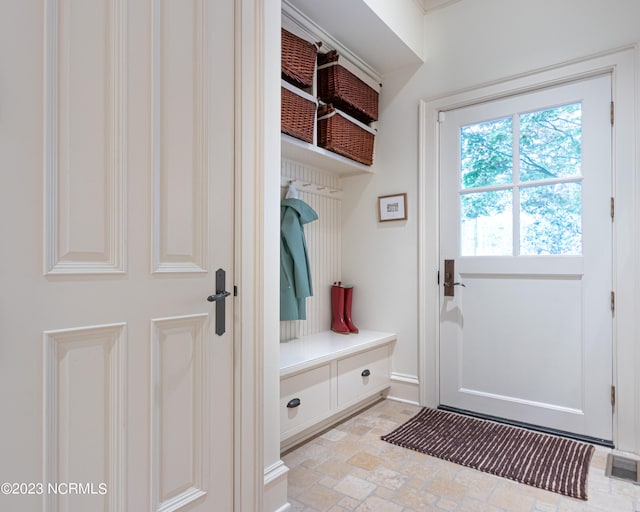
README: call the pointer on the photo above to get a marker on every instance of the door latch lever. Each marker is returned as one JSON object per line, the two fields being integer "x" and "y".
{"x": 449, "y": 272}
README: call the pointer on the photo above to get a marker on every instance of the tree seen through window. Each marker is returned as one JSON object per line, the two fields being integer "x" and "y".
{"x": 535, "y": 187}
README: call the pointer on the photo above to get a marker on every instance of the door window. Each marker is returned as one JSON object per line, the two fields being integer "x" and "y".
{"x": 521, "y": 184}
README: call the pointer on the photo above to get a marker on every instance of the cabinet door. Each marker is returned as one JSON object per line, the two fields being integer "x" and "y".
{"x": 363, "y": 375}
{"x": 305, "y": 399}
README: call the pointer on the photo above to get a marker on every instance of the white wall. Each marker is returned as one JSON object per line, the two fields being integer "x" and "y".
{"x": 404, "y": 17}
{"x": 467, "y": 44}
{"x": 323, "y": 238}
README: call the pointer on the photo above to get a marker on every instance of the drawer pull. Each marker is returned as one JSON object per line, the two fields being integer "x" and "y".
{"x": 365, "y": 373}
{"x": 293, "y": 403}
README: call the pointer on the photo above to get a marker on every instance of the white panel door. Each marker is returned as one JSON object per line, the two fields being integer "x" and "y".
{"x": 525, "y": 190}
{"x": 117, "y": 157}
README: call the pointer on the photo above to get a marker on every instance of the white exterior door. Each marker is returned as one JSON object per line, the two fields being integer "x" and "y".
{"x": 525, "y": 190}
{"x": 117, "y": 157}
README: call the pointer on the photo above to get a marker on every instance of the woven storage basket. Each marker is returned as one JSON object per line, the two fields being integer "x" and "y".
{"x": 298, "y": 112}
{"x": 298, "y": 60}
{"x": 342, "y": 134}
{"x": 340, "y": 87}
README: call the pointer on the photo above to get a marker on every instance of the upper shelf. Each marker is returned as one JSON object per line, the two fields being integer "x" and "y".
{"x": 370, "y": 48}
{"x": 356, "y": 26}
{"x": 320, "y": 158}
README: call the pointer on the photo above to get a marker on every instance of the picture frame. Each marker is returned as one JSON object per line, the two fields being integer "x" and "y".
{"x": 392, "y": 207}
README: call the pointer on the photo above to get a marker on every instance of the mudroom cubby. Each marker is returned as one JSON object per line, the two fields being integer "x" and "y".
{"x": 325, "y": 376}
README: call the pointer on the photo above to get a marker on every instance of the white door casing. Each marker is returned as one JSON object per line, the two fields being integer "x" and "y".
{"x": 530, "y": 337}
{"x": 117, "y": 209}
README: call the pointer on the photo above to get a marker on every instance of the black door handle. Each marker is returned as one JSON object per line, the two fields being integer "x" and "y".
{"x": 219, "y": 298}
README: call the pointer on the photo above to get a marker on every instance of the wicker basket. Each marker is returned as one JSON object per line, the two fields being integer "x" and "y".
{"x": 340, "y": 87}
{"x": 344, "y": 135}
{"x": 298, "y": 60}
{"x": 298, "y": 112}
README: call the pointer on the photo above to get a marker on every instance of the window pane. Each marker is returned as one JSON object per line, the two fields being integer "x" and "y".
{"x": 486, "y": 224}
{"x": 551, "y": 143}
{"x": 551, "y": 219}
{"x": 486, "y": 153}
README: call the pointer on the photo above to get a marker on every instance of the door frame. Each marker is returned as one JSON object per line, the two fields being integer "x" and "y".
{"x": 621, "y": 63}
{"x": 256, "y": 258}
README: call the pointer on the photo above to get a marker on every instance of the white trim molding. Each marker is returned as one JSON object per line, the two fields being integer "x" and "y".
{"x": 284, "y": 508}
{"x": 622, "y": 63}
{"x": 69, "y": 205}
{"x": 195, "y": 92}
{"x": 257, "y": 204}
{"x": 163, "y": 331}
{"x": 404, "y": 388}
{"x": 275, "y": 487}
{"x": 68, "y": 358}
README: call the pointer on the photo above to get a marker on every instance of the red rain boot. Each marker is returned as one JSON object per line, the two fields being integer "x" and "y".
{"x": 337, "y": 310}
{"x": 348, "y": 299}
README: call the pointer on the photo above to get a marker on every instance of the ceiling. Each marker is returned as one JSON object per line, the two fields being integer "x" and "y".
{"x": 369, "y": 38}
{"x": 430, "y": 5}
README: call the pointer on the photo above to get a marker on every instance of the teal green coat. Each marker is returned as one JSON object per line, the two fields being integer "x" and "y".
{"x": 295, "y": 273}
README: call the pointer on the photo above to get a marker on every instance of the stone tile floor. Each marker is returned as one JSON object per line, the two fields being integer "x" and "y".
{"x": 348, "y": 468}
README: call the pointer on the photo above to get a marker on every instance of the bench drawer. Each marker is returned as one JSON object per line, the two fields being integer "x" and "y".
{"x": 305, "y": 398}
{"x": 363, "y": 375}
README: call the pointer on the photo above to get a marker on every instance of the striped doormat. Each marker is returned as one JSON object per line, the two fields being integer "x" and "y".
{"x": 548, "y": 462}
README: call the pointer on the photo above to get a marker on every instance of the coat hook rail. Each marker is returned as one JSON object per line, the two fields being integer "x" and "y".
{"x": 311, "y": 188}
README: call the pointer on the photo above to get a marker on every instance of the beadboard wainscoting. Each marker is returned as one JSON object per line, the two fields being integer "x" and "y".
{"x": 321, "y": 190}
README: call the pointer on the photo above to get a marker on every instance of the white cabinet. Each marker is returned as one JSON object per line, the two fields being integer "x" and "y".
{"x": 305, "y": 399}
{"x": 328, "y": 376}
{"x": 362, "y": 375}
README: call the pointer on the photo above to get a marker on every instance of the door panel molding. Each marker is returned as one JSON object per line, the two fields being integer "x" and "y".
{"x": 85, "y": 135}
{"x": 179, "y": 141}
{"x": 527, "y": 403}
{"x": 180, "y": 408}
{"x": 84, "y": 415}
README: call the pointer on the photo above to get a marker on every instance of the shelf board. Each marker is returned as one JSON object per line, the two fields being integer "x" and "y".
{"x": 320, "y": 158}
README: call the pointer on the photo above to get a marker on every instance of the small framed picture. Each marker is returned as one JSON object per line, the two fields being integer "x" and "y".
{"x": 392, "y": 207}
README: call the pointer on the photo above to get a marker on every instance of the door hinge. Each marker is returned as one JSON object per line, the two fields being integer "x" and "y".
{"x": 613, "y": 396}
{"x": 613, "y": 208}
{"x": 441, "y": 117}
{"x": 438, "y": 278}
{"x": 613, "y": 302}
{"x": 235, "y": 290}
{"x": 612, "y": 113}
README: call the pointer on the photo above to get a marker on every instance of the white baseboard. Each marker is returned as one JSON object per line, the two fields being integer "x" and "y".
{"x": 275, "y": 488}
{"x": 404, "y": 388}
